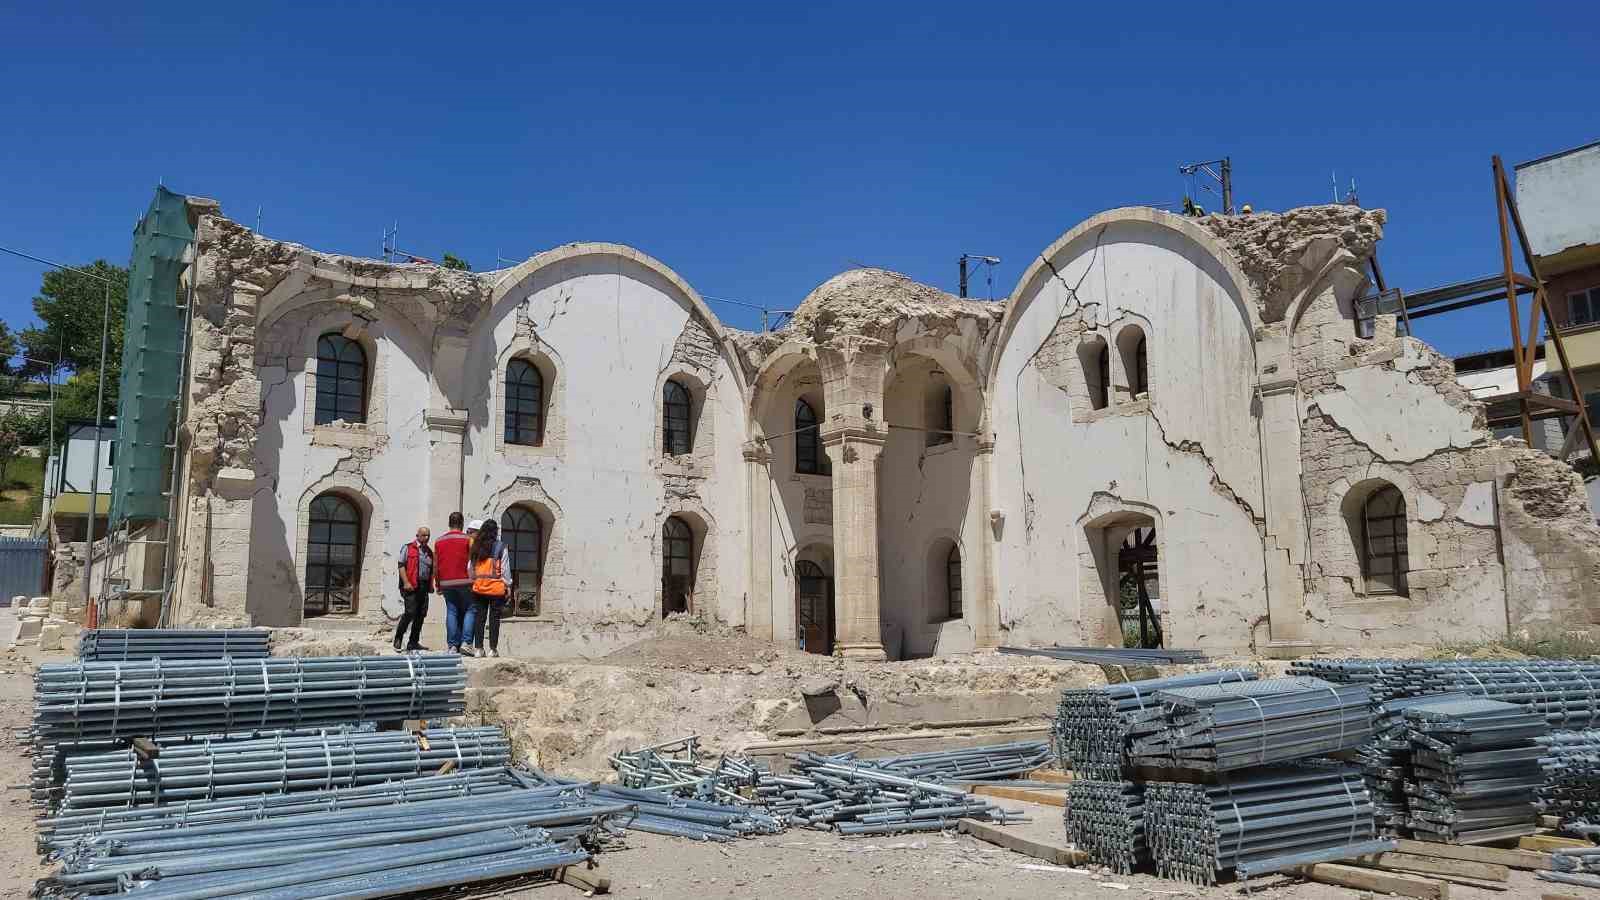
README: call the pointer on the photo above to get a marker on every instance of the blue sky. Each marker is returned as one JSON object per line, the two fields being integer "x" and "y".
{"x": 759, "y": 149}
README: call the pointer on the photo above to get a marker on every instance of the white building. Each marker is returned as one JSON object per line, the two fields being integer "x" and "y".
{"x": 895, "y": 472}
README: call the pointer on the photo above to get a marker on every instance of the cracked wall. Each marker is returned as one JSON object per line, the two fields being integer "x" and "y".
{"x": 1187, "y": 455}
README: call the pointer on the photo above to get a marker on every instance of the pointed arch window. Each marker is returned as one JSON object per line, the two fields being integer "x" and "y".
{"x": 341, "y": 380}
{"x": 524, "y": 403}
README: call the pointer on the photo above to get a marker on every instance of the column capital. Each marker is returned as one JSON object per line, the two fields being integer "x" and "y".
{"x": 757, "y": 452}
{"x": 448, "y": 420}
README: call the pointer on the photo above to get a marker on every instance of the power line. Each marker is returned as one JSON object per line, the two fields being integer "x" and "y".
{"x": 40, "y": 259}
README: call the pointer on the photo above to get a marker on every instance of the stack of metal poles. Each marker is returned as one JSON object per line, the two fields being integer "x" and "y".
{"x": 853, "y": 798}
{"x": 210, "y": 770}
{"x": 102, "y": 703}
{"x": 985, "y": 762}
{"x": 1198, "y": 832}
{"x": 368, "y": 851}
{"x": 1106, "y": 820}
{"x": 124, "y": 644}
{"x": 1475, "y": 769}
{"x": 1092, "y": 725}
{"x": 69, "y": 827}
{"x": 1233, "y": 726}
{"x": 1565, "y": 691}
{"x": 657, "y": 811}
{"x": 1571, "y": 766}
{"x": 1385, "y": 760}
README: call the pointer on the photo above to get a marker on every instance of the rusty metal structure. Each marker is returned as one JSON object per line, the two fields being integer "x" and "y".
{"x": 1509, "y": 284}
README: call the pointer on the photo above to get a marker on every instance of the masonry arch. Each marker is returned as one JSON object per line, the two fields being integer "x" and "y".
{"x": 528, "y": 494}
{"x": 1105, "y": 530}
{"x": 698, "y": 546}
{"x": 314, "y": 533}
{"x": 815, "y": 614}
{"x": 530, "y": 350}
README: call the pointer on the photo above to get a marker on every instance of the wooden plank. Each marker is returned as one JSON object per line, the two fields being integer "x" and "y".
{"x": 1053, "y": 775}
{"x": 1043, "y": 798}
{"x": 1516, "y": 859}
{"x": 1549, "y": 821}
{"x": 1376, "y": 880}
{"x": 1545, "y": 842}
{"x": 1050, "y": 853}
{"x": 1559, "y": 897}
{"x": 1433, "y": 865}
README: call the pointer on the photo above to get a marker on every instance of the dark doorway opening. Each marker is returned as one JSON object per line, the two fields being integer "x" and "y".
{"x": 813, "y": 607}
{"x": 1139, "y": 589}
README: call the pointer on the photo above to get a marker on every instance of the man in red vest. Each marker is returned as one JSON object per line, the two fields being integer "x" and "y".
{"x": 416, "y": 583}
{"x": 450, "y": 558}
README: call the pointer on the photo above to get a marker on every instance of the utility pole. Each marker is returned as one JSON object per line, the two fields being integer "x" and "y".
{"x": 1227, "y": 185}
{"x": 1221, "y": 171}
{"x": 990, "y": 261}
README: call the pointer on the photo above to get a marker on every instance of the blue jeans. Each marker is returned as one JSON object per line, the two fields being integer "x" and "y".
{"x": 459, "y": 616}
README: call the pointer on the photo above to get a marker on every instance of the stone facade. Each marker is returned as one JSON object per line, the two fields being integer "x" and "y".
{"x": 975, "y": 471}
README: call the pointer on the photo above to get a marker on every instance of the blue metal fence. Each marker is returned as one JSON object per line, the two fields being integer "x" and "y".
{"x": 21, "y": 567}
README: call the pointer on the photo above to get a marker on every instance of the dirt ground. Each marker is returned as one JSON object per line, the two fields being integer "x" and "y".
{"x": 799, "y": 865}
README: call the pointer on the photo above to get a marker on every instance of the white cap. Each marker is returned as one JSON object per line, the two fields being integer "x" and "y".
{"x": 475, "y": 524}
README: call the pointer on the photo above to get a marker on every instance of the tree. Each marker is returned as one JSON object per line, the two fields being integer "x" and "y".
{"x": 10, "y": 443}
{"x": 70, "y": 305}
{"x": 9, "y": 348}
{"x": 452, "y": 261}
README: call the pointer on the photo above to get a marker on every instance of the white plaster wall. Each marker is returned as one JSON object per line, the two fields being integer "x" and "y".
{"x": 613, "y": 324}
{"x": 386, "y": 463}
{"x": 1196, "y": 444}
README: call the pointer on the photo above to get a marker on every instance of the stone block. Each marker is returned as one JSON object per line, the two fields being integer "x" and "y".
{"x": 58, "y": 608}
{"x": 39, "y": 603}
{"x": 19, "y": 601}
{"x": 27, "y": 629}
{"x": 50, "y": 637}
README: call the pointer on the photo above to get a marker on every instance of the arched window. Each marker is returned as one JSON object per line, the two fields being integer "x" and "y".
{"x": 952, "y": 582}
{"x": 341, "y": 380}
{"x": 333, "y": 557}
{"x": 1096, "y": 359}
{"x": 809, "y": 457}
{"x": 941, "y": 415}
{"x": 1137, "y": 364}
{"x": 1384, "y": 554}
{"x": 677, "y": 566}
{"x": 524, "y": 403}
{"x": 523, "y": 533}
{"x": 678, "y": 429}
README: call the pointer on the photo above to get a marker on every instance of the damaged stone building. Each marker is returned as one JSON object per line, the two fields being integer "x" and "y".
{"x": 895, "y": 472}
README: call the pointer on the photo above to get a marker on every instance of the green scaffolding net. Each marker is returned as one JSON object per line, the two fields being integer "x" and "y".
{"x": 152, "y": 359}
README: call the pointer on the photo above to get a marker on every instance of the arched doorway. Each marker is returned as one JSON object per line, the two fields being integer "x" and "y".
{"x": 813, "y": 592}
{"x": 1139, "y": 588}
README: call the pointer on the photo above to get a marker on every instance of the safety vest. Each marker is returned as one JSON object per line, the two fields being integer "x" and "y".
{"x": 489, "y": 576}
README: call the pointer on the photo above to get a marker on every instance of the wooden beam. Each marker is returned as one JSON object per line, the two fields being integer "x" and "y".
{"x": 1552, "y": 842}
{"x": 1516, "y": 859}
{"x": 1054, "y": 775}
{"x": 1045, "y": 798}
{"x": 1434, "y": 865}
{"x": 1050, "y": 853}
{"x": 1376, "y": 880}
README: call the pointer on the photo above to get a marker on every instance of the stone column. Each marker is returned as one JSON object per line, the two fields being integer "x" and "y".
{"x": 986, "y": 609}
{"x": 759, "y": 600}
{"x": 854, "y": 451}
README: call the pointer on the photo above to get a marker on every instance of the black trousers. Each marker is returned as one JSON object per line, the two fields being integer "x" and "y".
{"x": 416, "y": 611}
{"x": 489, "y": 612}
